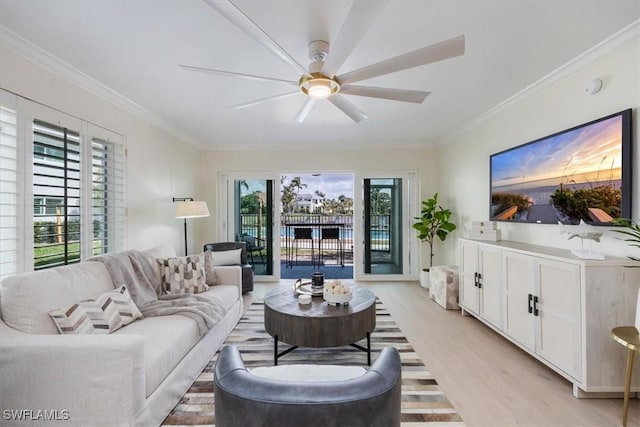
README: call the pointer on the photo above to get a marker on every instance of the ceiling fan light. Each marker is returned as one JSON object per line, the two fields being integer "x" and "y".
{"x": 319, "y": 89}
{"x": 318, "y": 86}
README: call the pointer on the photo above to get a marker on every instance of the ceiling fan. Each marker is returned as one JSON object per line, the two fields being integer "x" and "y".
{"x": 320, "y": 81}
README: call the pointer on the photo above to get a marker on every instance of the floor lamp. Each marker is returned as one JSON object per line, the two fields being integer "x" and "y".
{"x": 188, "y": 208}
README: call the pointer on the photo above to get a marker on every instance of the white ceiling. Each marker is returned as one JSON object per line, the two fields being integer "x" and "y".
{"x": 133, "y": 47}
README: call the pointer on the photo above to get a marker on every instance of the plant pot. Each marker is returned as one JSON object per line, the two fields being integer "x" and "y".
{"x": 425, "y": 278}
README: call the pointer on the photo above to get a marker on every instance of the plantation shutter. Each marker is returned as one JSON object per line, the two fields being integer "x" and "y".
{"x": 108, "y": 200}
{"x": 9, "y": 218}
{"x": 56, "y": 195}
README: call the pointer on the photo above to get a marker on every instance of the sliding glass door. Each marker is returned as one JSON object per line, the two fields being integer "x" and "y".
{"x": 383, "y": 210}
{"x": 249, "y": 217}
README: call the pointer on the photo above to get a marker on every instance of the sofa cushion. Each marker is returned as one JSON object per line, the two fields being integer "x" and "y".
{"x": 227, "y": 294}
{"x": 210, "y": 276}
{"x": 73, "y": 320}
{"x": 26, "y": 299}
{"x": 309, "y": 373}
{"x": 167, "y": 339}
{"x": 231, "y": 257}
{"x": 183, "y": 275}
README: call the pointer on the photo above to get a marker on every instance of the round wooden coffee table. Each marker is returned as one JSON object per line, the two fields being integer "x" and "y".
{"x": 318, "y": 324}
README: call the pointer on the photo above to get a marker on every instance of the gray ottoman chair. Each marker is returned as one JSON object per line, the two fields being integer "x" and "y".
{"x": 371, "y": 397}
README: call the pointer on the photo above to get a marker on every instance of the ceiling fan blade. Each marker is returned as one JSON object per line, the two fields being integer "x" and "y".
{"x": 403, "y": 95}
{"x": 263, "y": 100}
{"x": 348, "y": 108}
{"x": 242, "y": 21}
{"x": 426, "y": 55}
{"x": 304, "y": 111}
{"x": 232, "y": 74}
{"x": 361, "y": 15}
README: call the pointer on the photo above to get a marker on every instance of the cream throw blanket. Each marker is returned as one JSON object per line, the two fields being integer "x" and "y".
{"x": 136, "y": 270}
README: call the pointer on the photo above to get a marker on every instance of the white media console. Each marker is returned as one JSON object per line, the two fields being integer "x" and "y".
{"x": 558, "y": 308}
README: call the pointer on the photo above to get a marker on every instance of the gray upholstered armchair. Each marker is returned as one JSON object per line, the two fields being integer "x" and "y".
{"x": 247, "y": 271}
{"x": 245, "y": 399}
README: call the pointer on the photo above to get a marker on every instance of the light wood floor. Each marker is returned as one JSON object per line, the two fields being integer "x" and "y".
{"x": 488, "y": 380}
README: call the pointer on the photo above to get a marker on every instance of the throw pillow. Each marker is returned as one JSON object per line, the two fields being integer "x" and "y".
{"x": 210, "y": 276}
{"x": 183, "y": 275}
{"x": 128, "y": 309}
{"x": 231, "y": 257}
{"x": 74, "y": 320}
{"x": 102, "y": 314}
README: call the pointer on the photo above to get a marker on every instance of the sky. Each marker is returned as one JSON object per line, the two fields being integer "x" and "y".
{"x": 585, "y": 149}
{"x": 331, "y": 184}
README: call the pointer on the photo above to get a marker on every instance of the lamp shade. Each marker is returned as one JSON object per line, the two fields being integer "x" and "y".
{"x": 191, "y": 209}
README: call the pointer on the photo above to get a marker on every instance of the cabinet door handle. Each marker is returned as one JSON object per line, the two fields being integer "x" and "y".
{"x": 535, "y": 306}
{"x": 530, "y": 309}
{"x": 475, "y": 279}
{"x": 479, "y": 280}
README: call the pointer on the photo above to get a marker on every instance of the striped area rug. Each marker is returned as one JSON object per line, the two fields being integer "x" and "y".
{"x": 423, "y": 403}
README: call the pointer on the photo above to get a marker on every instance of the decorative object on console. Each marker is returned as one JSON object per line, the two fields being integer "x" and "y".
{"x": 582, "y": 173}
{"x": 583, "y": 232}
{"x": 188, "y": 208}
{"x": 433, "y": 221}
{"x": 444, "y": 286}
{"x": 484, "y": 230}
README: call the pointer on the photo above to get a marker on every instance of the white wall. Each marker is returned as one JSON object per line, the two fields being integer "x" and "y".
{"x": 159, "y": 166}
{"x": 465, "y": 179}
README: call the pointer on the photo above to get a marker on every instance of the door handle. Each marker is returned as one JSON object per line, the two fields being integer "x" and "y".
{"x": 535, "y": 306}
{"x": 530, "y": 308}
{"x": 479, "y": 280}
{"x": 475, "y": 279}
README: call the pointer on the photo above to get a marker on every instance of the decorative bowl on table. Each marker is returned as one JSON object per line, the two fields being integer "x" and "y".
{"x": 337, "y": 293}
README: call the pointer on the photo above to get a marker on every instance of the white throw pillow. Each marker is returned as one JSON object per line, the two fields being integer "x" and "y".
{"x": 231, "y": 257}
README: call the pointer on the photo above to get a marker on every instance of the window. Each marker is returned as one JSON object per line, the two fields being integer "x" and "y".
{"x": 62, "y": 187}
{"x": 8, "y": 187}
{"x": 56, "y": 176}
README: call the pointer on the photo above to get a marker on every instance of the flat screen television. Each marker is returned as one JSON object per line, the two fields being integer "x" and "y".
{"x": 582, "y": 173}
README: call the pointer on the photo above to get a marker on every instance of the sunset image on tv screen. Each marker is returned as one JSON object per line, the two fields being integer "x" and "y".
{"x": 573, "y": 175}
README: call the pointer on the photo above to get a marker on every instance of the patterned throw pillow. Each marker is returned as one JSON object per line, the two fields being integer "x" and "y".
{"x": 210, "y": 276}
{"x": 74, "y": 320}
{"x": 128, "y": 309}
{"x": 102, "y": 314}
{"x": 183, "y": 275}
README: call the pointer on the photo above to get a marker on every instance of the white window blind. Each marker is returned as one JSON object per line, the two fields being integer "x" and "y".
{"x": 8, "y": 188}
{"x": 108, "y": 207}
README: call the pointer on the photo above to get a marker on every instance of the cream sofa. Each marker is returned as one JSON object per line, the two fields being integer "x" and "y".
{"x": 134, "y": 376}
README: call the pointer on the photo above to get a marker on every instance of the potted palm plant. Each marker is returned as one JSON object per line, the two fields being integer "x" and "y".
{"x": 631, "y": 230}
{"x": 433, "y": 222}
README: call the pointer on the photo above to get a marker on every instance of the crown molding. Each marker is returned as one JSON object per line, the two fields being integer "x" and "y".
{"x": 35, "y": 54}
{"x": 608, "y": 47}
